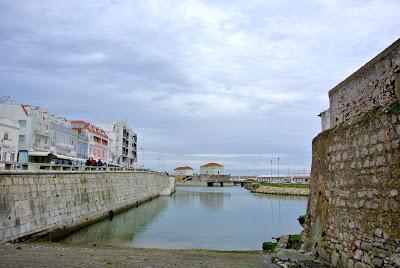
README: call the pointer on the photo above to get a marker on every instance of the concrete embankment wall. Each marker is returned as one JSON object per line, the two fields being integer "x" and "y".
{"x": 191, "y": 183}
{"x": 34, "y": 204}
{"x": 201, "y": 183}
{"x": 354, "y": 203}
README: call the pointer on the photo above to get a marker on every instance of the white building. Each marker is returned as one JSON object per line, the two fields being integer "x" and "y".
{"x": 63, "y": 139}
{"x": 301, "y": 179}
{"x": 325, "y": 120}
{"x": 212, "y": 169}
{"x": 274, "y": 179}
{"x": 39, "y": 131}
{"x": 35, "y": 136}
{"x": 9, "y": 131}
{"x": 183, "y": 171}
{"x": 29, "y": 127}
{"x": 123, "y": 145}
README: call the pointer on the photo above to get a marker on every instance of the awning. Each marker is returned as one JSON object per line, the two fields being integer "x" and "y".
{"x": 39, "y": 153}
{"x": 70, "y": 158}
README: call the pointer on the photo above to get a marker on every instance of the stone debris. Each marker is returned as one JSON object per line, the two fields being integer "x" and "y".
{"x": 293, "y": 258}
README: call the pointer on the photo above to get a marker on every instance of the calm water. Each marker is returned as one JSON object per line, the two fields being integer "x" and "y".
{"x": 225, "y": 218}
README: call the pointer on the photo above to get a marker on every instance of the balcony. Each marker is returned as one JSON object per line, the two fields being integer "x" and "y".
{"x": 41, "y": 146}
{"x": 42, "y": 132}
{"x": 65, "y": 146}
{"x": 7, "y": 143}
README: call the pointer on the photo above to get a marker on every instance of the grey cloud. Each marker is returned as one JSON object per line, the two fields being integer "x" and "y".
{"x": 215, "y": 78}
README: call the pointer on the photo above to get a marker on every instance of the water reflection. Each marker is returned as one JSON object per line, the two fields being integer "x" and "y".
{"x": 122, "y": 228}
{"x": 226, "y": 218}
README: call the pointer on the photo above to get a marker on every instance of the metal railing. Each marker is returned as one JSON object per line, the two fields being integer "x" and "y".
{"x": 46, "y": 167}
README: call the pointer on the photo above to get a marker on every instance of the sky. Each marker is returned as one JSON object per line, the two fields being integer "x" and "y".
{"x": 235, "y": 82}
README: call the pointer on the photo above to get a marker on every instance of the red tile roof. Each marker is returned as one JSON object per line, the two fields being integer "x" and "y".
{"x": 91, "y": 128}
{"x": 212, "y": 165}
{"x": 184, "y": 168}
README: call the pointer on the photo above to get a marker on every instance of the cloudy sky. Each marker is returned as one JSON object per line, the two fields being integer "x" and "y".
{"x": 238, "y": 82}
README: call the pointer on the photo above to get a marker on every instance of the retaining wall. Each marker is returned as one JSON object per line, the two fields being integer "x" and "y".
{"x": 354, "y": 203}
{"x": 38, "y": 203}
{"x": 281, "y": 190}
{"x": 372, "y": 85}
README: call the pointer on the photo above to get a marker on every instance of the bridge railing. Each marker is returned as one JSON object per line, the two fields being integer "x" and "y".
{"x": 47, "y": 167}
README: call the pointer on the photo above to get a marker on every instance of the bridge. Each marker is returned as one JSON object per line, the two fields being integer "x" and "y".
{"x": 223, "y": 179}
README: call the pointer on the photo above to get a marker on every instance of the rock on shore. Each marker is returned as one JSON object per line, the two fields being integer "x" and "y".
{"x": 281, "y": 190}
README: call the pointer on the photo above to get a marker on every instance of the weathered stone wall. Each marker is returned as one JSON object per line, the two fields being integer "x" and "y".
{"x": 353, "y": 210}
{"x": 372, "y": 85}
{"x": 33, "y": 204}
{"x": 353, "y": 214}
{"x": 191, "y": 183}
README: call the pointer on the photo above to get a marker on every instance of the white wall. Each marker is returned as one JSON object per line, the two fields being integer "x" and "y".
{"x": 9, "y": 131}
{"x": 184, "y": 172}
{"x": 214, "y": 170}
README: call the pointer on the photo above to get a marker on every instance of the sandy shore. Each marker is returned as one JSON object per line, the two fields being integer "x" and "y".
{"x": 60, "y": 255}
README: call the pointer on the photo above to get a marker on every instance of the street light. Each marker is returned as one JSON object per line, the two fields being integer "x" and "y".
{"x": 141, "y": 148}
{"x": 271, "y": 168}
{"x": 278, "y": 167}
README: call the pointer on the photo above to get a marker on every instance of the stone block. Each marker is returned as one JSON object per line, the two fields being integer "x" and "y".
{"x": 360, "y": 265}
{"x": 377, "y": 262}
{"x": 358, "y": 254}
{"x": 350, "y": 263}
{"x": 334, "y": 258}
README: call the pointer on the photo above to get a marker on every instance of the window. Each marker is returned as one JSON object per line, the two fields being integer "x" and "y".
{"x": 12, "y": 157}
{"x": 21, "y": 138}
{"x": 4, "y": 156}
{"x": 5, "y": 136}
{"x": 22, "y": 123}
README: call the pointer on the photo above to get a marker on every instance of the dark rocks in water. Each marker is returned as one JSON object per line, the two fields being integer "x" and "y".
{"x": 302, "y": 220}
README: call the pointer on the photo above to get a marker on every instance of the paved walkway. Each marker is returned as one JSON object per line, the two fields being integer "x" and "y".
{"x": 58, "y": 255}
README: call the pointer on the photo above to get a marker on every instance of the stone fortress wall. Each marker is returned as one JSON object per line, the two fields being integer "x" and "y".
{"x": 353, "y": 214}
{"x": 34, "y": 204}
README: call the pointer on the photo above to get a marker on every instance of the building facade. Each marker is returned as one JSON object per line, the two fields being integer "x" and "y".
{"x": 36, "y": 136}
{"x": 301, "y": 179}
{"x": 274, "y": 179}
{"x": 63, "y": 139}
{"x": 123, "y": 143}
{"x": 212, "y": 169}
{"x": 183, "y": 172}
{"x": 34, "y": 127}
{"x": 9, "y": 133}
{"x": 82, "y": 139}
{"x": 98, "y": 141}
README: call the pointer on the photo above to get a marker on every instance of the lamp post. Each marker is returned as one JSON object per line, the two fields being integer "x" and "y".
{"x": 271, "y": 168}
{"x": 141, "y": 148}
{"x": 278, "y": 167}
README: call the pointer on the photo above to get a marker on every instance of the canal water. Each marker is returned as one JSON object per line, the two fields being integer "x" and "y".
{"x": 222, "y": 218}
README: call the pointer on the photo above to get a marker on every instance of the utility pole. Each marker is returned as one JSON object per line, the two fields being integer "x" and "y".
{"x": 141, "y": 148}
{"x": 271, "y": 168}
{"x": 278, "y": 167}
